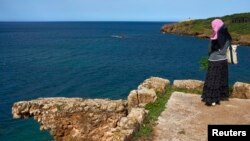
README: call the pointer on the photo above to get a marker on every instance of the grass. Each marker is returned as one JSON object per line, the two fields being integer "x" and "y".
{"x": 238, "y": 28}
{"x": 203, "y": 63}
{"x": 156, "y": 108}
{"x": 192, "y": 91}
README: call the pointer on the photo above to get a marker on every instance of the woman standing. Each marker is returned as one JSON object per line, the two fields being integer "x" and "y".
{"x": 216, "y": 83}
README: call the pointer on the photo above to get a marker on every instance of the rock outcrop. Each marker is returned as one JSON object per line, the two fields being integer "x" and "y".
{"x": 127, "y": 126}
{"x": 146, "y": 92}
{"x": 182, "y": 28}
{"x": 158, "y": 84}
{"x": 73, "y": 118}
{"x": 241, "y": 90}
{"x": 188, "y": 84}
{"x": 92, "y": 119}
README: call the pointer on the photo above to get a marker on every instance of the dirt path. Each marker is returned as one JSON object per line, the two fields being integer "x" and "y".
{"x": 186, "y": 117}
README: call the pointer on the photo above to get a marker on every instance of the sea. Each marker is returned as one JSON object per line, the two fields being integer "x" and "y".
{"x": 92, "y": 60}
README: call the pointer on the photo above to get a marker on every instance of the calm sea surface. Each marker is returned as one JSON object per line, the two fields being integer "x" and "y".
{"x": 86, "y": 59}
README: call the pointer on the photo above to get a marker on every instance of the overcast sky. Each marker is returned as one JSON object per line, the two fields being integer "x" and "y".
{"x": 117, "y": 10}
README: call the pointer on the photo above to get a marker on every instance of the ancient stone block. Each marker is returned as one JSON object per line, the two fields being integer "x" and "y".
{"x": 188, "y": 84}
{"x": 241, "y": 90}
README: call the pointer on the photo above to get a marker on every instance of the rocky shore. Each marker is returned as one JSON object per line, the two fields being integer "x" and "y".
{"x": 103, "y": 119}
{"x": 182, "y": 29}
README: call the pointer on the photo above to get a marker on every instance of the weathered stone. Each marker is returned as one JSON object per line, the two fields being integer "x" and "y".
{"x": 127, "y": 126}
{"x": 122, "y": 121}
{"x": 146, "y": 92}
{"x": 146, "y": 95}
{"x": 241, "y": 90}
{"x": 92, "y": 119}
{"x": 133, "y": 100}
{"x": 159, "y": 85}
{"x": 188, "y": 84}
{"x": 138, "y": 113}
{"x": 141, "y": 97}
{"x": 111, "y": 107}
{"x": 69, "y": 118}
{"x": 120, "y": 108}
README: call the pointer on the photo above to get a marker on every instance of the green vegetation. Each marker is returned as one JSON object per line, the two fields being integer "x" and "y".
{"x": 240, "y": 31}
{"x": 192, "y": 91}
{"x": 203, "y": 63}
{"x": 60, "y": 107}
{"x": 156, "y": 108}
{"x": 234, "y": 28}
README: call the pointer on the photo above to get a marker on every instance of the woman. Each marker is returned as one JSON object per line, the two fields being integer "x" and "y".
{"x": 216, "y": 83}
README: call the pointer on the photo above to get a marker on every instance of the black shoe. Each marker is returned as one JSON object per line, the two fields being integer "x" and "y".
{"x": 218, "y": 102}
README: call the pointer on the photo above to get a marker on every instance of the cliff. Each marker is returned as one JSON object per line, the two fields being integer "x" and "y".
{"x": 73, "y": 118}
{"x": 238, "y": 25}
{"x": 81, "y": 119}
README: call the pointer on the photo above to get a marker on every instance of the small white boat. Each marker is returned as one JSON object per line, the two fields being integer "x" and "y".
{"x": 117, "y": 36}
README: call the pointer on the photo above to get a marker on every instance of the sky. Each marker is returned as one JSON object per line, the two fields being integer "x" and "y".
{"x": 118, "y": 10}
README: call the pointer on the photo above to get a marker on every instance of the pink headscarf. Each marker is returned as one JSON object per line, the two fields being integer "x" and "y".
{"x": 216, "y": 25}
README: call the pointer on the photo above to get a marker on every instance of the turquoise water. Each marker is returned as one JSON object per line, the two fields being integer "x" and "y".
{"x": 84, "y": 59}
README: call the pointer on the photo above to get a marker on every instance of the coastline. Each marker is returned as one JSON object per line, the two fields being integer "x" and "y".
{"x": 238, "y": 26}
{"x": 173, "y": 29}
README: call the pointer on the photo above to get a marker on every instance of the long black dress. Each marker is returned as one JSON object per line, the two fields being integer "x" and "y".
{"x": 216, "y": 83}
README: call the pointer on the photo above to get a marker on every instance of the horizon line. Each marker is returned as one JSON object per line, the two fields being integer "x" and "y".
{"x": 90, "y": 21}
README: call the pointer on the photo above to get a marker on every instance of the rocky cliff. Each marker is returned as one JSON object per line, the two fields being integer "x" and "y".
{"x": 73, "y": 118}
{"x": 81, "y": 119}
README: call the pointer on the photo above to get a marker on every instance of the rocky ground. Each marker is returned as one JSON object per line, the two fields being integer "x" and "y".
{"x": 81, "y": 119}
{"x": 186, "y": 117}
